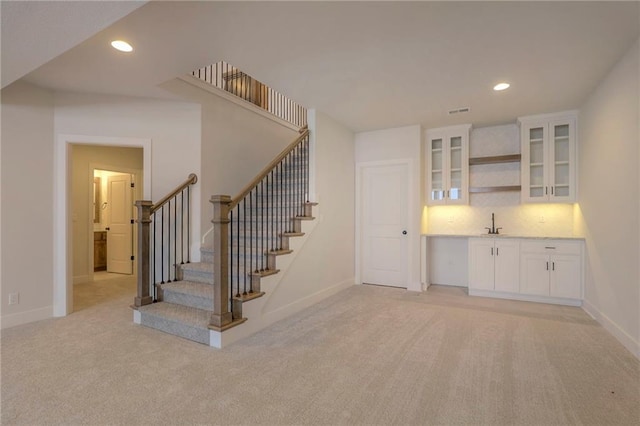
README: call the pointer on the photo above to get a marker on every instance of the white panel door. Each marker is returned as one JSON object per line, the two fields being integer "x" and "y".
{"x": 120, "y": 229}
{"x": 385, "y": 218}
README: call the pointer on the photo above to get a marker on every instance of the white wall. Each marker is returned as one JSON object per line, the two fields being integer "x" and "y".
{"x": 395, "y": 144}
{"x": 608, "y": 213}
{"x": 27, "y": 201}
{"x": 237, "y": 143}
{"x": 325, "y": 263}
{"x": 173, "y": 127}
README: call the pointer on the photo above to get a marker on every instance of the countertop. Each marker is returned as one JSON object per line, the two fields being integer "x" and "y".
{"x": 502, "y": 236}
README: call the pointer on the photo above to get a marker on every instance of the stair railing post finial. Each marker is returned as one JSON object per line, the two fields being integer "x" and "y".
{"x": 144, "y": 219}
{"x": 221, "y": 315}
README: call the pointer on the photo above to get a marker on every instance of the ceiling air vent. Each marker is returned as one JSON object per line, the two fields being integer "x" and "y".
{"x": 459, "y": 110}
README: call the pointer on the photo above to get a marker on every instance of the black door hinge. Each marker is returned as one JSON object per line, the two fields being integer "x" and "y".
{"x": 131, "y": 257}
{"x": 133, "y": 185}
{"x": 132, "y": 221}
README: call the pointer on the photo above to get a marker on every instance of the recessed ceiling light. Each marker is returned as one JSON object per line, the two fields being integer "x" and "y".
{"x": 122, "y": 46}
{"x": 501, "y": 86}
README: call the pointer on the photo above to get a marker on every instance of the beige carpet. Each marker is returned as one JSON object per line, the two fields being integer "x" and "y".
{"x": 369, "y": 355}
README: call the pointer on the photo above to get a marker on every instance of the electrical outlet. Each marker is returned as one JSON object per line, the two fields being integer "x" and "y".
{"x": 541, "y": 220}
{"x": 14, "y": 298}
{"x": 450, "y": 220}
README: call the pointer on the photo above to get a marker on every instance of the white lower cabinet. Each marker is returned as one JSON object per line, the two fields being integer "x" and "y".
{"x": 551, "y": 268}
{"x": 537, "y": 270}
{"x": 494, "y": 264}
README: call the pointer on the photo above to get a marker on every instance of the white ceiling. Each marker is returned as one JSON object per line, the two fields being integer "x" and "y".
{"x": 60, "y": 26}
{"x": 370, "y": 65}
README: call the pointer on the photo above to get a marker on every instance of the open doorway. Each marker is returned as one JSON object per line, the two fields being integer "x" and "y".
{"x": 106, "y": 181}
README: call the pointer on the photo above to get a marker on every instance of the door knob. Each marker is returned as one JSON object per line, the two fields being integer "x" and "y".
{"x": 404, "y": 232}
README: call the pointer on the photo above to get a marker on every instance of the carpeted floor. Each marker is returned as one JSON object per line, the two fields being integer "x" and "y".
{"x": 368, "y": 355}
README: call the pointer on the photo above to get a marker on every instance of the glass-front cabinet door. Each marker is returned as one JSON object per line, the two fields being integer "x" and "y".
{"x": 536, "y": 188}
{"x": 437, "y": 170}
{"x": 447, "y": 165}
{"x": 455, "y": 168}
{"x": 562, "y": 179}
{"x": 548, "y": 158}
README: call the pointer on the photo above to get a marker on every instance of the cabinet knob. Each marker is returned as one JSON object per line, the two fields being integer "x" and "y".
{"x": 107, "y": 229}
{"x": 404, "y": 232}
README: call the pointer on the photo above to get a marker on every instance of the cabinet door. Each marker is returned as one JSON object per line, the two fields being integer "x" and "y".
{"x": 534, "y": 169}
{"x": 561, "y": 161}
{"x": 447, "y": 158}
{"x": 458, "y": 169}
{"x": 534, "y": 274}
{"x": 566, "y": 276}
{"x": 481, "y": 269}
{"x": 507, "y": 266}
{"x": 436, "y": 163}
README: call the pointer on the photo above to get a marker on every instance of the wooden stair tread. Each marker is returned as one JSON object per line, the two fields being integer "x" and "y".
{"x": 249, "y": 296}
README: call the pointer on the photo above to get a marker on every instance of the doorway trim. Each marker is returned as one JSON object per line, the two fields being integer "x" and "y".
{"x": 62, "y": 238}
{"x": 412, "y": 204}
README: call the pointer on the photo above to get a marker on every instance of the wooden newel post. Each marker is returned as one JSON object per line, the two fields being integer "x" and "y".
{"x": 144, "y": 219}
{"x": 221, "y": 315}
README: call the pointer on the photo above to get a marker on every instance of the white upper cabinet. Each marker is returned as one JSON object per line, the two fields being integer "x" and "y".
{"x": 447, "y": 152}
{"x": 549, "y": 157}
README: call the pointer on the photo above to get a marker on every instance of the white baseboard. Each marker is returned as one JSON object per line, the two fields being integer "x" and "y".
{"x": 26, "y": 317}
{"x": 524, "y": 297}
{"x": 300, "y": 304}
{"x": 622, "y": 336}
{"x": 259, "y": 321}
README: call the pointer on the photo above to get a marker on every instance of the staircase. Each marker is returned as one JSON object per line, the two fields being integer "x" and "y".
{"x": 263, "y": 220}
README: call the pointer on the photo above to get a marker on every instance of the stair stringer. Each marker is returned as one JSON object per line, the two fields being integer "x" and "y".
{"x": 254, "y": 310}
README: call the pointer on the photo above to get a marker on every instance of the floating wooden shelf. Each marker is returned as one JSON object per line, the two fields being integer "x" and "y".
{"x": 510, "y": 158}
{"x": 481, "y": 189}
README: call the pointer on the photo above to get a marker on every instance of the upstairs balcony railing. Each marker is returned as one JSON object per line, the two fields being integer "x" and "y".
{"x": 230, "y": 79}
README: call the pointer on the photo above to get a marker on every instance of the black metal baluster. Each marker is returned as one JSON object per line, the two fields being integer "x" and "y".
{"x": 271, "y": 212}
{"x": 175, "y": 239}
{"x": 169, "y": 243}
{"x": 307, "y": 160}
{"x": 261, "y": 233}
{"x": 231, "y": 243}
{"x": 267, "y": 222}
{"x": 280, "y": 209}
{"x": 162, "y": 248}
{"x": 153, "y": 261}
{"x": 244, "y": 232}
{"x": 188, "y": 224}
{"x": 289, "y": 201}
{"x": 296, "y": 150}
{"x": 182, "y": 227}
{"x": 238, "y": 254}
{"x": 251, "y": 237}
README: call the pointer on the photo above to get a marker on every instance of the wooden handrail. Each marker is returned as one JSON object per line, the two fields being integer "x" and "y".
{"x": 190, "y": 181}
{"x": 235, "y": 200}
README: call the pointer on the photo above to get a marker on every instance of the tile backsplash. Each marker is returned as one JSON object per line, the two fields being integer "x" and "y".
{"x": 527, "y": 220}
{"x": 515, "y": 218}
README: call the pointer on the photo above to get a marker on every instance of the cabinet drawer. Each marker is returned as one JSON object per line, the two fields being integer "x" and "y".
{"x": 551, "y": 247}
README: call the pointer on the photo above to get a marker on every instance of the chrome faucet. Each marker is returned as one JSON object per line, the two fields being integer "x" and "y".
{"x": 493, "y": 229}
